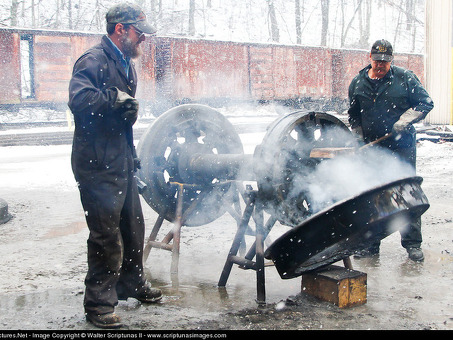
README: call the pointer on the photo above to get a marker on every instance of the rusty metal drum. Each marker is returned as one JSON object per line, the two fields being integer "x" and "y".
{"x": 348, "y": 226}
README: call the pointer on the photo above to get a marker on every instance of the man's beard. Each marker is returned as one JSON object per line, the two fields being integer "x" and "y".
{"x": 131, "y": 49}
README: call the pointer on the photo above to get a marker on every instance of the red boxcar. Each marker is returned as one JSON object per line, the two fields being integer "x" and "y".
{"x": 9, "y": 67}
{"x": 177, "y": 70}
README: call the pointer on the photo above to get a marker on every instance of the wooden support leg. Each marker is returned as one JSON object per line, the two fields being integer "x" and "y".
{"x": 267, "y": 228}
{"x": 347, "y": 263}
{"x": 176, "y": 238}
{"x": 152, "y": 237}
{"x": 174, "y": 234}
{"x": 260, "y": 274}
{"x": 257, "y": 249}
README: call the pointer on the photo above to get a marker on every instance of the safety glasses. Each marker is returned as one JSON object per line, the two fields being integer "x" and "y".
{"x": 140, "y": 34}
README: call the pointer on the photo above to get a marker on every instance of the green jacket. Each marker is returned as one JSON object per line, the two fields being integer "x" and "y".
{"x": 376, "y": 107}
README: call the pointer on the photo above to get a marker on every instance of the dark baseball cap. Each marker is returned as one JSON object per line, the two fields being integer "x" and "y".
{"x": 382, "y": 50}
{"x": 129, "y": 14}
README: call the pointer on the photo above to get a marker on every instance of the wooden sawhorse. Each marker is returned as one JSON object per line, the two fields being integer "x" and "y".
{"x": 253, "y": 206}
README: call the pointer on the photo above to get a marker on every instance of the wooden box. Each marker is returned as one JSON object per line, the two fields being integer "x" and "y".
{"x": 341, "y": 286}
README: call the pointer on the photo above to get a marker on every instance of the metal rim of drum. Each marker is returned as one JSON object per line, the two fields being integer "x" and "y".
{"x": 285, "y": 153}
{"x": 346, "y": 227}
{"x": 185, "y": 129}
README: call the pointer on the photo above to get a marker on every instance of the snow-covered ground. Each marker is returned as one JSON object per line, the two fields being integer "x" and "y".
{"x": 43, "y": 251}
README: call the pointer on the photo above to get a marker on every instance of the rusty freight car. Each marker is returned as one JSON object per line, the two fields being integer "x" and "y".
{"x": 36, "y": 67}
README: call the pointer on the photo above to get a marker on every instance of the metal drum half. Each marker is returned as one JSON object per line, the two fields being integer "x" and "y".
{"x": 348, "y": 226}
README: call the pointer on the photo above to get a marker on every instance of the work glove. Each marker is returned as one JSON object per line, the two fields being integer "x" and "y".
{"x": 405, "y": 121}
{"x": 357, "y": 132}
{"x": 127, "y": 106}
{"x": 137, "y": 164}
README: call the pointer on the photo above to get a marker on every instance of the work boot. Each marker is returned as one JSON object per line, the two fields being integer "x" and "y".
{"x": 415, "y": 254}
{"x": 109, "y": 320}
{"x": 144, "y": 294}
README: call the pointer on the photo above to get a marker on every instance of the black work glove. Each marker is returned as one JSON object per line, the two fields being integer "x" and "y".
{"x": 130, "y": 112}
{"x": 137, "y": 164}
{"x": 127, "y": 107}
{"x": 357, "y": 132}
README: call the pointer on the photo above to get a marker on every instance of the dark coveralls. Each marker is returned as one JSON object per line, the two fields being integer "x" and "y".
{"x": 103, "y": 165}
{"x": 376, "y": 105}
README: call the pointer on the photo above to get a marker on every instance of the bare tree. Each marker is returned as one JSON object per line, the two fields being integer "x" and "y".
{"x": 275, "y": 33}
{"x": 409, "y": 10}
{"x": 192, "y": 17}
{"x": 33, "y": 22}
{"x": 338, "y": 23}
{"x": 344, "y": 32}
{"x": 411, "y": 25}
{"x": 297, "y": 16}
{"x": 325, "y": 4}
{"x": 364, "y": 14}
{"x": 70, "y": 14}
{"x": 13, "y": 12}
{"x": 398, "y": 27}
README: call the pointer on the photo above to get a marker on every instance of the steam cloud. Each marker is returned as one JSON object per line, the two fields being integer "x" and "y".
{"x": 349, "y": 175}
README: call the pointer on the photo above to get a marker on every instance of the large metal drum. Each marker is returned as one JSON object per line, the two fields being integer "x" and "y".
{"x": 168, "y": 151}
{"x": 348, "y": 226}
{"x": 283, "y": 159}
{"x": 195, "y": 146}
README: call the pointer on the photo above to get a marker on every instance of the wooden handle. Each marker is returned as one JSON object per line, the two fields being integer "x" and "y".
{"x": 376, "y": 141}
{"x": 332, "y": 152}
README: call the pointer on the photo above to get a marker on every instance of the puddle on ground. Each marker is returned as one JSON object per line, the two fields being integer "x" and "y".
{"x": 72, "y": 228}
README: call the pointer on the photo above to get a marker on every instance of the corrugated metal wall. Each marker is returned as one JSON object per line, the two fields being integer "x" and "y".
{"x": 438, "y": 66}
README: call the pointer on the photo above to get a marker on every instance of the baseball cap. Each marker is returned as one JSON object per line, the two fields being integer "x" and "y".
{"x": 129, "y": 14}
{"x": 382, "y": 50}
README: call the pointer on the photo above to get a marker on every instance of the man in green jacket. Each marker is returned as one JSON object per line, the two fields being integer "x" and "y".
{"x": 385, "y": 100}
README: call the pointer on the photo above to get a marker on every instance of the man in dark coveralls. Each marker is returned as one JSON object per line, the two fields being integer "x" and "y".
{"x": 101, "y": 98}
{"x": 387, "y": 100}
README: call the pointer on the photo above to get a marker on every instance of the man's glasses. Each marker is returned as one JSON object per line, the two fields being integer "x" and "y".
{"x": 139, "y": 33}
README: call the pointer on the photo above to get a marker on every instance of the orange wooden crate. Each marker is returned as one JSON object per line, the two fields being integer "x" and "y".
{"x": 341, "y": 286}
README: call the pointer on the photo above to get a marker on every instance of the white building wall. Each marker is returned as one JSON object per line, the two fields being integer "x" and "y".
{"x": 438, "y": 63}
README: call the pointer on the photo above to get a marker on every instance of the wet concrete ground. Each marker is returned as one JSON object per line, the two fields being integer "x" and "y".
{"x": 43, "y": 263}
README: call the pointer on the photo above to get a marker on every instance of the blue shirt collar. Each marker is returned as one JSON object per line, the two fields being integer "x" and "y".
{"x": 125, "y": 61}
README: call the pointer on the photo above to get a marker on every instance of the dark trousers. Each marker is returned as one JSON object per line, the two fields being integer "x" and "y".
{"x": 405, "y": 150}
{"x": 115, "y": 258}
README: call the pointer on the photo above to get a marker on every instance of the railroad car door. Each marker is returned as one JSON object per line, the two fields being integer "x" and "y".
{"x": 27, "y": 81}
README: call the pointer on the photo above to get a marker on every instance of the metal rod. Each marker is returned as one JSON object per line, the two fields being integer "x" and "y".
{"x": 237, "y": 240}
{"x": 222, "y": 166}
{"x": 242, "y": 262}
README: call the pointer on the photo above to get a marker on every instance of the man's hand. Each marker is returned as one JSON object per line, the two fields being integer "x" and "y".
{"x": 130, "y": 112}
{"x": 399, "y": 127}
{"x": 127, "y": 106}
{"x": 357, "y": 132}
{"x": 405, "y": 121}
{"x": 137, "y": 164}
